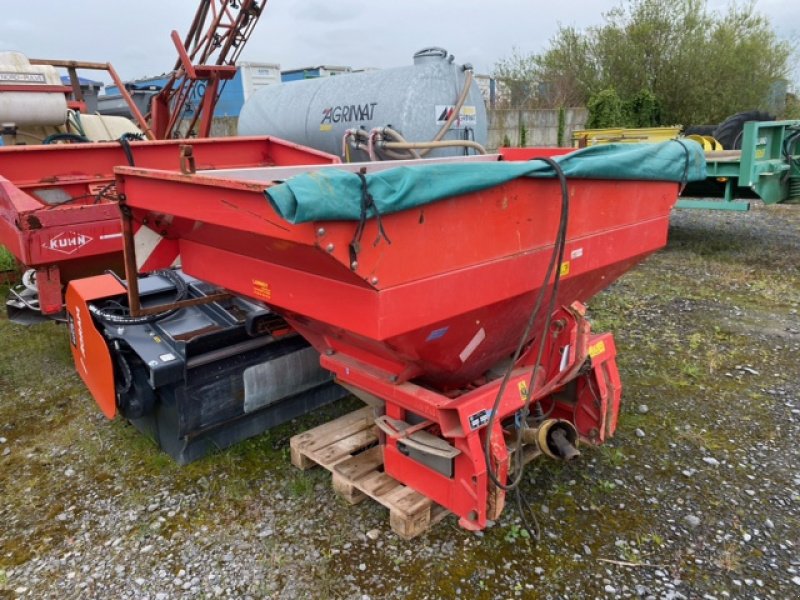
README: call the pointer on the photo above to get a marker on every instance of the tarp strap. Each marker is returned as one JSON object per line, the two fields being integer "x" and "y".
{"x": 685, "y": 176}
{"x": 367, "y": 205}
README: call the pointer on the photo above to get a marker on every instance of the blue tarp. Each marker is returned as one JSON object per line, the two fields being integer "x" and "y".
{"x": 333, "y": 194}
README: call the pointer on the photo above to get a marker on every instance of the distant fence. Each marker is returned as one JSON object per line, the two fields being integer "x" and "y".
{"x": 533, "y": 127}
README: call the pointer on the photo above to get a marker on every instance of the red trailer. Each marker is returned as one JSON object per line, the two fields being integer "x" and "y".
{"x": 448, "y": 295}
{"x": 59, "y": 214}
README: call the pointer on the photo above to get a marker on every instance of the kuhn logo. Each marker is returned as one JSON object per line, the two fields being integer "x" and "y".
{"x": 68, "y": 242}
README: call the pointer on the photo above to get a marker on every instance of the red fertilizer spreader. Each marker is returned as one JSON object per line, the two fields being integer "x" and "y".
{"x": 418, "y": 284}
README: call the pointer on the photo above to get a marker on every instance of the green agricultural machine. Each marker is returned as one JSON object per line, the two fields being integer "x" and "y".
{"x": 767, "y": 167}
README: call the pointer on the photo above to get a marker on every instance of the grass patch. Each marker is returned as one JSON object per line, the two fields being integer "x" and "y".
{"x": 683, "y": 321}
{"x": 7, "y": 260}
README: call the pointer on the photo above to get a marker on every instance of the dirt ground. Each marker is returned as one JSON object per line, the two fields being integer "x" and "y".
{"x": 698, "y": 495}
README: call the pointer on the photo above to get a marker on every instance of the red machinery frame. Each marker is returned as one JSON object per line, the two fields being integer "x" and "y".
{"x": 81, "y": 235}
{"x": 415, "y": 325}
{"x": 207, "y": 55}
{"x": 593, "y": 406}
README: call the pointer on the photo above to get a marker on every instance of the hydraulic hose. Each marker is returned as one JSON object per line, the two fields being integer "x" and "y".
{"x": 401, "y": 149}
{"x": 398, "y": 138}
{"x": 433, "y": 145}
{"x": 117, "y": 319}
{"x": 74, "y": 117}
{"x": 65, "y": 137}
{"x": 456, "y": 111}
{"x": 556, "y": 258}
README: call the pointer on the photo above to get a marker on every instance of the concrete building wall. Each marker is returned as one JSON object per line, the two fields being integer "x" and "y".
{"x": 541, "y": 126}
{"x": 224, "y": 126}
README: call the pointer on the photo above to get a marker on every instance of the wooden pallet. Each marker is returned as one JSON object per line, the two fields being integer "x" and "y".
{"x": 347, "y": 447}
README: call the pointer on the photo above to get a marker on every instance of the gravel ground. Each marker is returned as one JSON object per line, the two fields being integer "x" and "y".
{"x": 698, "y": 495}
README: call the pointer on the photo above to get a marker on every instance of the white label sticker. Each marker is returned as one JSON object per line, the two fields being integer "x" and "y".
{"x": 467, "y": 116}
{"x": 564, "y": 358}
{"x": 577, "y": 253}
{"x": 473, "y": 345}
{"x": 167, "y": 357}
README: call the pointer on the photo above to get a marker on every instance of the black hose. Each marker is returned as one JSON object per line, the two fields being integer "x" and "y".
{"x": 120, "y": 319}
{"x": 125, "y": 369}
{"x": 788, "y": 148}
{"x": 556, "y": 259}
{"x": 124, "y": 141}
{"x": 528, "y": 517}
{"x": 65, "y": 137}
{"x": 132, "y": 136}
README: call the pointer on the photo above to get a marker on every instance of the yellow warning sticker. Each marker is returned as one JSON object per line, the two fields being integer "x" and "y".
{"x": 261, "y": 290}
{"x": 597, "y": 349}
{"x": 326, "y": 127}
{"x": 523, "y": 390}
{"x": 564, "y": 271}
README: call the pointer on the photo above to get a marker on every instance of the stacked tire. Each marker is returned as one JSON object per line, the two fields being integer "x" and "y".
{"x": 729, "y": 132}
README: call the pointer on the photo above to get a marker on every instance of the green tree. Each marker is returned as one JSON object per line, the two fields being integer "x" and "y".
{"x": 643, "y": 110}
{"x": 568, "y": 72}
{"x": 792, "y": 106}
{"x": 517, "y": 76}
{"x": 670, "y": 62}
{"x": 606, "y": 110}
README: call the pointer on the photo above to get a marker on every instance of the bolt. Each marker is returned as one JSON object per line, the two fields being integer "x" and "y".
{"x": 354, "y": 265}
{"x": 330, "y": 352}
{"x": 394, "y": 378}
{"x": 321, "y": 231}
{"x": 374, "y": 281}
{"x": 330, "y": 247}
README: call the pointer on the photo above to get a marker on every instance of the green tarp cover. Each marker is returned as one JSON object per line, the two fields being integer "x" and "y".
{"x": 332, "y": 194}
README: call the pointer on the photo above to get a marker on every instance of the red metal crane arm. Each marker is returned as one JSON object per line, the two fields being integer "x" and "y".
{"x": 208, "y": 53}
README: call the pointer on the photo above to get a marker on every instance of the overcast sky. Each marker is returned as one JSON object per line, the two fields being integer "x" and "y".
{"x": 134, "y": 35}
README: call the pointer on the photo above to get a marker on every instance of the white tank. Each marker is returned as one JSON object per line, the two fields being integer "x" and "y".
{"x": 32, "y": 108}
{"x": 414, "y": 100}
